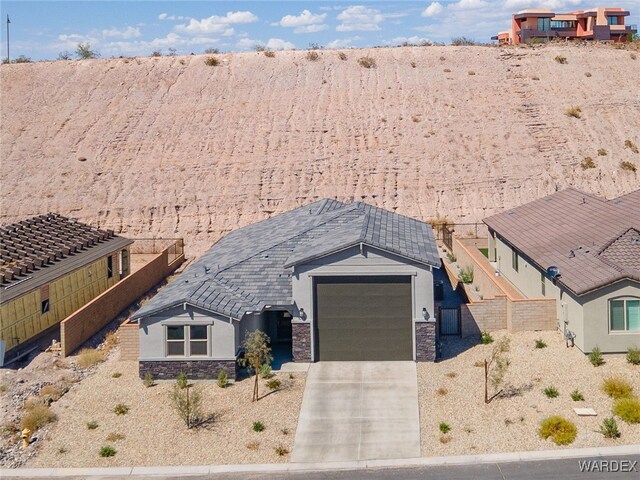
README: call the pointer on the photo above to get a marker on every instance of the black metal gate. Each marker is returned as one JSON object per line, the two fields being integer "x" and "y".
{"x": 449, "y": 321}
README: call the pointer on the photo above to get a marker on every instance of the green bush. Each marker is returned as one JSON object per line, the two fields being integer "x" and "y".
{"x": 633, "y": 355}
{"x": 609, "y": 428}
{"x": 281, "y": 451}
{"x": 92, "y": 425}
{"x": 617, "y": 388}
{"x": 108, "y": 451}
{"x": 181, "y": 380}
{"x": 486, "y": 338}
{"x": 466, "y": 275}
{"x": 265, "y": 371}
{"x": 116, "y": 375}
{"x": 452, "y": 257}
{"x": 444, "y": 427}
{"x": 540, "y": 343}
{"x": 148, "y": 380}
{"x": 121, "y": 409}
{"x": 577, "y": 396}
{"x": 561, "y": 430}
{"x": 595, "y": 357}
{"x": 628, "y": 409}
{"x": 223, "y": 378}
{"x": 273, "y": 384}
{"x": 258, "y": 426}
{"x": 551, "y": 392}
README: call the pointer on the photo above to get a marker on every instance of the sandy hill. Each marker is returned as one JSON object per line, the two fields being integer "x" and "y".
{"x": 172, "y": 147}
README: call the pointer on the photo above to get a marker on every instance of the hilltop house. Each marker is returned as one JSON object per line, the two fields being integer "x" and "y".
{"x": 327, "y": 281}
{"x": 584, "y": 252}
{"x": 50, "y": 266}
{"x": 603, "y": 23}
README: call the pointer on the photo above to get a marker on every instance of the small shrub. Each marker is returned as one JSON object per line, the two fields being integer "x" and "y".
{"x": 444, "y": 427}
{"x": 3, "y": 388}
{"x": 602, "y": 152}
{"x": 560, "y": 59}
{"x": 114, "y": 437}
{"x": 273, "y": 384}
{"x": 617, "y": 388}
{"x": 92, "y": 425}
{"x": 212, "y": 61}
{"x": 342, "y": 55}
{"x": 258, "y": 426}
{"x": 116, "y": 375}
{"x": 561, "y": 430}
{"x": 462, "y": 42}
{"x": 442, "y": 391}
{"x": 367, "y": 62}
{"x": 253, "y": 445}
{"x": 587, "y": 162}
{"x": 89, "y": 357}
{"x": 181, "y": 380}
{"x": 111, "y": 339}
{"x": 415, "y": 119}
{"x": 630, "y": 145}
{"x": 108, "y": 451}
{"x": 37, "y": 416}
{"x": 508, "y": 421}
{"x": 633, "y": 56}
{"x": 285, "y": 431}
{"x": 312, "y": 56}
{"x": 466, "y": 274}
{"x": 223, "y": 378}
{"x": 628, "y": 166}
{"x": 281, "y": 451}
{"x": 156, "y": 53}
{"x": 587, "y": 74}
{"x": 535, "y": 77}
{"x": 211, "y": 51}
{"x": 52, "y": 393}
{"x": 291, "y": 376}
{"x": 609, "y": 428}
{"x": 595, "y": 357}
{"x": 121, "y": 409}
{"x": 187, "y": 402}
{"x": 451, "y": 257}
{"x": 452, "y": 374}
{"x": 577, "y": 396}
{"x": 471, "y": 72}
{"x": 479, "y": 363}
{"x": 551, "y": 392}
{"x": 148, "y": 380}
{"x": 62, "y": 450}
{"x": 265, "y": 371}
{"x": 442, "y": 59}
{"x": 575, "y": 112}
{"x": 413, "y": 65}
{"x": 633, "y": 355}
{"x": 269, "y": 53}
{"x": 447, "y": 70}
{"x": 486, "y": 339}
{"x": 444, "y": 439}
{"x": 540, "y": 343}
{"x": 628, "y": 409}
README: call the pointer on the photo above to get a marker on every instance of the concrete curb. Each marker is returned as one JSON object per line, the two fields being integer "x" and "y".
{"x": 310, "y": 467}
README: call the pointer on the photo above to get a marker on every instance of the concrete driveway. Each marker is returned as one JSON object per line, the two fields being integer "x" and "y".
{"x": 358, "y": 411}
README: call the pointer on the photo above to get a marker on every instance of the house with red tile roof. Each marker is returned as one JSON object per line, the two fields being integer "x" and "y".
{"x": 583, "y": 251}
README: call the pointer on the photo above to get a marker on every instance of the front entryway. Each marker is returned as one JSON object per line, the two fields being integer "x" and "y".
{"x": 363, "y": 318}
{"x": 279, "y": 332}
{"x": 358, "y": 411}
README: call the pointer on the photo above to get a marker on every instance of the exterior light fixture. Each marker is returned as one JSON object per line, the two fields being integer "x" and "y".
{"x": 425, "y": 314}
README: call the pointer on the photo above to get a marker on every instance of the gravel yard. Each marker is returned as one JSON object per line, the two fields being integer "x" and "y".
{"x": 511, "y": 424}
{"x": 153, "y": 432}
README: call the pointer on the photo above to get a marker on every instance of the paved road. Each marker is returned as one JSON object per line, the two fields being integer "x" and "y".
{"x": 358, "y": 411}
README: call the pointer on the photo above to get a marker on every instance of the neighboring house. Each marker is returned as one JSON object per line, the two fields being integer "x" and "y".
{"x": 327, "y": 281}
{"x": 583, "y": 251}
{"x": 604, "y": 23}
{"x": 50, "y": 266}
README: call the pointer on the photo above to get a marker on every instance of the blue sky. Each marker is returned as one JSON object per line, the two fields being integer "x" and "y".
{"x": 41, "y": 30}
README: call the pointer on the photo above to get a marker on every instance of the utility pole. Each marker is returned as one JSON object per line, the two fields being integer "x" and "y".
{"x": 8, "y": 57}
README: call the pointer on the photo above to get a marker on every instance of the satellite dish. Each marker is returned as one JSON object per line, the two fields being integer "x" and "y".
{"x": 553, "y": 271}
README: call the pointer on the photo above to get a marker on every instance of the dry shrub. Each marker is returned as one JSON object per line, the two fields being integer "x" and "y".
{"x": 312, "y": 56}
{"x": 587, "y": 74}
{"x": 560, "y": 59}
{"x": 212, "y": 61}
{"x": 37, "y": 416}
{"x": 471, "y": 72}
{"x": 628, "y": 409}
{"x": 52, "y": 393}
{"x": 111, "y": 339}
{"x": 629, "y": 144}
{"x": 253, "y": 445}
{"x": 269, "y": 53}
{"x": 442, "y": 391}
{"x": 342, "y": 55}
{"x": 561, "y": 430}
{"x": 617, "y": 387}
{"x": 452, "y": 374}
{"x": 447, "y": 70}
{"x": 575, "y": 112}
{"x": 114, "y": 437}
{"x": 628, "y": 166}
{"x": 587, "y": 162}
{"x": 89, "y": 357}
{"x": 602, "y": 152}
{"x": 367, "y": 62}
{"x": 444, "y": 439}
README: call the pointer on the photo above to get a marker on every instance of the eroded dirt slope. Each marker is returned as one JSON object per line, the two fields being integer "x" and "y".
{"x": 173, "y": 147}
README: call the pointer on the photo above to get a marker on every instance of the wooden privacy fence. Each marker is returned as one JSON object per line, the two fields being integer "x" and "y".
{"x": 78, "y": 327}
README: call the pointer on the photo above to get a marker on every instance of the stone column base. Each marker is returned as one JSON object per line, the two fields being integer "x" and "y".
{"x": 195, "y": 369}
{"x": 425, "y": 340}
{"x": 301, "y": 341}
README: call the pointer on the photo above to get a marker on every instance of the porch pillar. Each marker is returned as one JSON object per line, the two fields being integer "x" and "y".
{"x": 425, "y": 340}
{"x": 301, "y": 340}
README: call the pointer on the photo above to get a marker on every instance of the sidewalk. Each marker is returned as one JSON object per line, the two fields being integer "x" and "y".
{"x": 184, "y": 471}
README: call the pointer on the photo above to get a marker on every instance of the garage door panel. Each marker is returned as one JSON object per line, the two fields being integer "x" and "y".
{"x": 364, "y": 321}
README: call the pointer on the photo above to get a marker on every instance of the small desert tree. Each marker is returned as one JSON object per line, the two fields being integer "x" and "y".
{"x": 256, "y": 353}
{"x": 187, "y": 400}
{"x": 495, "y": 368}
{"x": 84, "y": 52}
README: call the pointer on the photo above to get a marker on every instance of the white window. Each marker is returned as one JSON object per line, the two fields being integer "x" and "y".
{"x": 624, "y": 315}
{"x": 187, "y": 340}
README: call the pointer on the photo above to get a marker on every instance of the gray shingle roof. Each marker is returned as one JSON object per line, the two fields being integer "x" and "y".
{"x": 590, "y": 239}
{"x": 251, "y": 267}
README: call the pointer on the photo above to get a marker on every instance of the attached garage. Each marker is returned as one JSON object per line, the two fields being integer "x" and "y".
{"x": 363, "y": 318}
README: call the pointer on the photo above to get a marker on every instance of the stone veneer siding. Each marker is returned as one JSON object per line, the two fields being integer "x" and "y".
{"x": 425, "y": 341}
{"x": 195, "y": 369}
{"x": 301, "y": 341}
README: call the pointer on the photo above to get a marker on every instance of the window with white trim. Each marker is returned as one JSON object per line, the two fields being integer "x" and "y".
{"x": 187, "y": 340}
{"x": 624, "y": 315}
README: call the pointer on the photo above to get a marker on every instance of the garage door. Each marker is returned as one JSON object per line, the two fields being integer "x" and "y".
{"x": 363, "y": 318}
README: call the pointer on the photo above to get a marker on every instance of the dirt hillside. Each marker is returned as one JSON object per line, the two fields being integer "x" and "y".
{"x": 173, "y": 147}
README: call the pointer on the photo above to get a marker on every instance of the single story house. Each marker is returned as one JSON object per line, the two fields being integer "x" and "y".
{"x": 583, "y": 251}
{"x": 327, "y": 281}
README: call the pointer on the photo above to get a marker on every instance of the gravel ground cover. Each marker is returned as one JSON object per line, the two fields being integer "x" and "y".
{"x": 152, "y": 430}
{"x": 511, "y": 424}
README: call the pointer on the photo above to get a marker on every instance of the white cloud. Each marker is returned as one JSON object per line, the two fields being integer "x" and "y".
{"x": 166, "y": 16}
{"x": 414, "y": 40}
{"x": 305, "y": 18}
{"x": 247, "y": 43}
{"x": 163, "y": 16}
{"x": 468, "y": 4}
{"x": 359, "y": 18}
{"x": 311, "y": 28}
{"x": 217, "y": 24}
{"x": 342, "y": 42}
{"x": 279, "y": 44}
{"x": 434, "y": 9}
{"x": 558, "y": 5}
{"x": 126, "y": 33}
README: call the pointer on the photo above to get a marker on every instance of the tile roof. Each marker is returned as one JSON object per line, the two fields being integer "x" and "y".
{"x": 592, "y": 240}
{"x": 40, "y": 249}
{"x": 250, "y": 268}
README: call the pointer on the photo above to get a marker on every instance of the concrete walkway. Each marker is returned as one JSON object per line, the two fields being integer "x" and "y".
{"x": 358, "y": 411}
